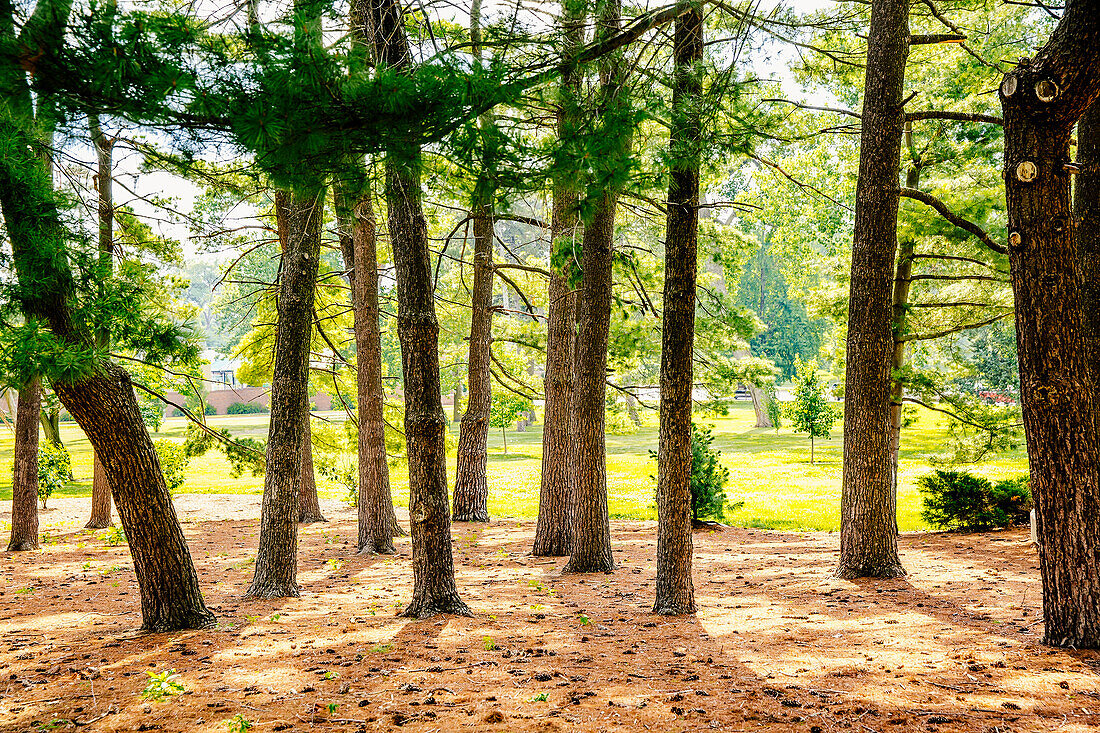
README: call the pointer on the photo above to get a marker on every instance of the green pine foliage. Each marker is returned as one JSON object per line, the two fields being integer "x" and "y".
{"x": 960, "y": 500}
{"x": 246, "y": 408}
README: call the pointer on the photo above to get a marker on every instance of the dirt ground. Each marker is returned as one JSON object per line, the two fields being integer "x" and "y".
{"x": 778, "y": 644}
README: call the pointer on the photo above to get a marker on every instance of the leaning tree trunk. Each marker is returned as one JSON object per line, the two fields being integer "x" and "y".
{"x": 309, "y": 505}
{"x": 102, "y": 402}
{"x": 434, "y": 589}
{"x": 1042, "y": 100}
{"x": 24, "y": 481}
{"x": 471, "y": 499}
{"x": 104, "y": 147}
{"x": 675, "y": 592}
{"x": 554, "y": 532}
{"x": 105, "y": 408}
{"x": 868, "y": 503}
{"x": 591, "y": 551}
{"x": 276, "y": 574}
{"x": 358, "y": 242}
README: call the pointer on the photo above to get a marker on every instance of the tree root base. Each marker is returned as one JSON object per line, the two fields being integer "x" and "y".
{"x": 198, "y": 620}
{"x": 669, "y": 608}
{"x": 886, "y": 572}
{"x": 23, "y": 546}
{"x": 272, "y": 590}
{"x": 374, "y": 549}
{"x": 311, "y": 518}
{"x": 426, "y": 609}
{"x": 98, "y": 524}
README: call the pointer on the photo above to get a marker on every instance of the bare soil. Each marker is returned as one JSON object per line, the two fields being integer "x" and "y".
{"x": 778, "y": 644}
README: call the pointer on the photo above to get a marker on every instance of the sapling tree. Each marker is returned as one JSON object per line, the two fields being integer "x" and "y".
{"x": 505, "y": 409}
{"x": 811, "y": 412}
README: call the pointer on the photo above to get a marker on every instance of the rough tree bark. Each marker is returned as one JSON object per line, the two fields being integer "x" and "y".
{"x": 104, "y": 149}
{"x": 675, "y": 591}
{"x": 358, "y": 242}
{"x": 900, "y": 311}
{"x": 102, "y": 401}
{"x": 591, "y": 551}
{"x": 1042, "y": 99}
{"x": 553, "y": 531}
{"x": 471, "y": 496}
{"x": 24, "y": 481}
{"x": 309, "y": 504}
{"x": 868, "y": 504}
{"x": 1087, "y": 210}
{"x": 434, "y": 589}
{"x": 277, "y": 556}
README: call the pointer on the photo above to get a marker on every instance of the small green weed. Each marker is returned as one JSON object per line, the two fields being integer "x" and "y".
{"x": 541, "y": 697}
{"x": 162, "y": 685}
{"x": 238, "y": 724}
{"x": 114, "y": 536}
{"x": 490, "y": 645}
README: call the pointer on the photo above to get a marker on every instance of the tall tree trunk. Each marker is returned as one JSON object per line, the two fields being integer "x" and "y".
{"x": 104, "y": 148}
{"x": 554, "y": 532}
{"x": 900, "y": 312}
{"x": 309, "y": 505}
{"x": 24, "y": 481}
{"x": 1042, "y": 100}
{"x": 51, "y": 425}
{"x": 358, "y": 242}
{"x": 675, "y": 591}
{"x": 102, "y": 506}
{"x": 277, "y": 556}
{"x": 471, "y": 496}
{"x": 591, "y": 551}
{"x": 868, "y": 503}
{"x": 434, "y": 589}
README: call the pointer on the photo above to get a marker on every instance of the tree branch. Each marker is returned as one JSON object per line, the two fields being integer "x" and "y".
{"x": 965, "y": 224}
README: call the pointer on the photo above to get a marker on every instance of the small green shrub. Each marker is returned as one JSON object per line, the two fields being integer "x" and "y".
{"x": 238, "y": 724}
{"x": 54, "y": 469}
{"x": 246, "y": 408}
{"x": 963, "y": 501}
{"x": 173, "y": 462}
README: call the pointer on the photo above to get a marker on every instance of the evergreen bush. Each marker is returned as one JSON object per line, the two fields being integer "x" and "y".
{"x": 960, "y": 500}
{"x": 246, "y": 408}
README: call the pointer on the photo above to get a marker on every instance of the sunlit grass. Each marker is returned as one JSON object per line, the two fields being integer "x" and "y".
{"x": 770, "y": 472}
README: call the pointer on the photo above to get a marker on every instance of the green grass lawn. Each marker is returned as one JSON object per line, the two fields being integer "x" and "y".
{"x": 771, "y": 473}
